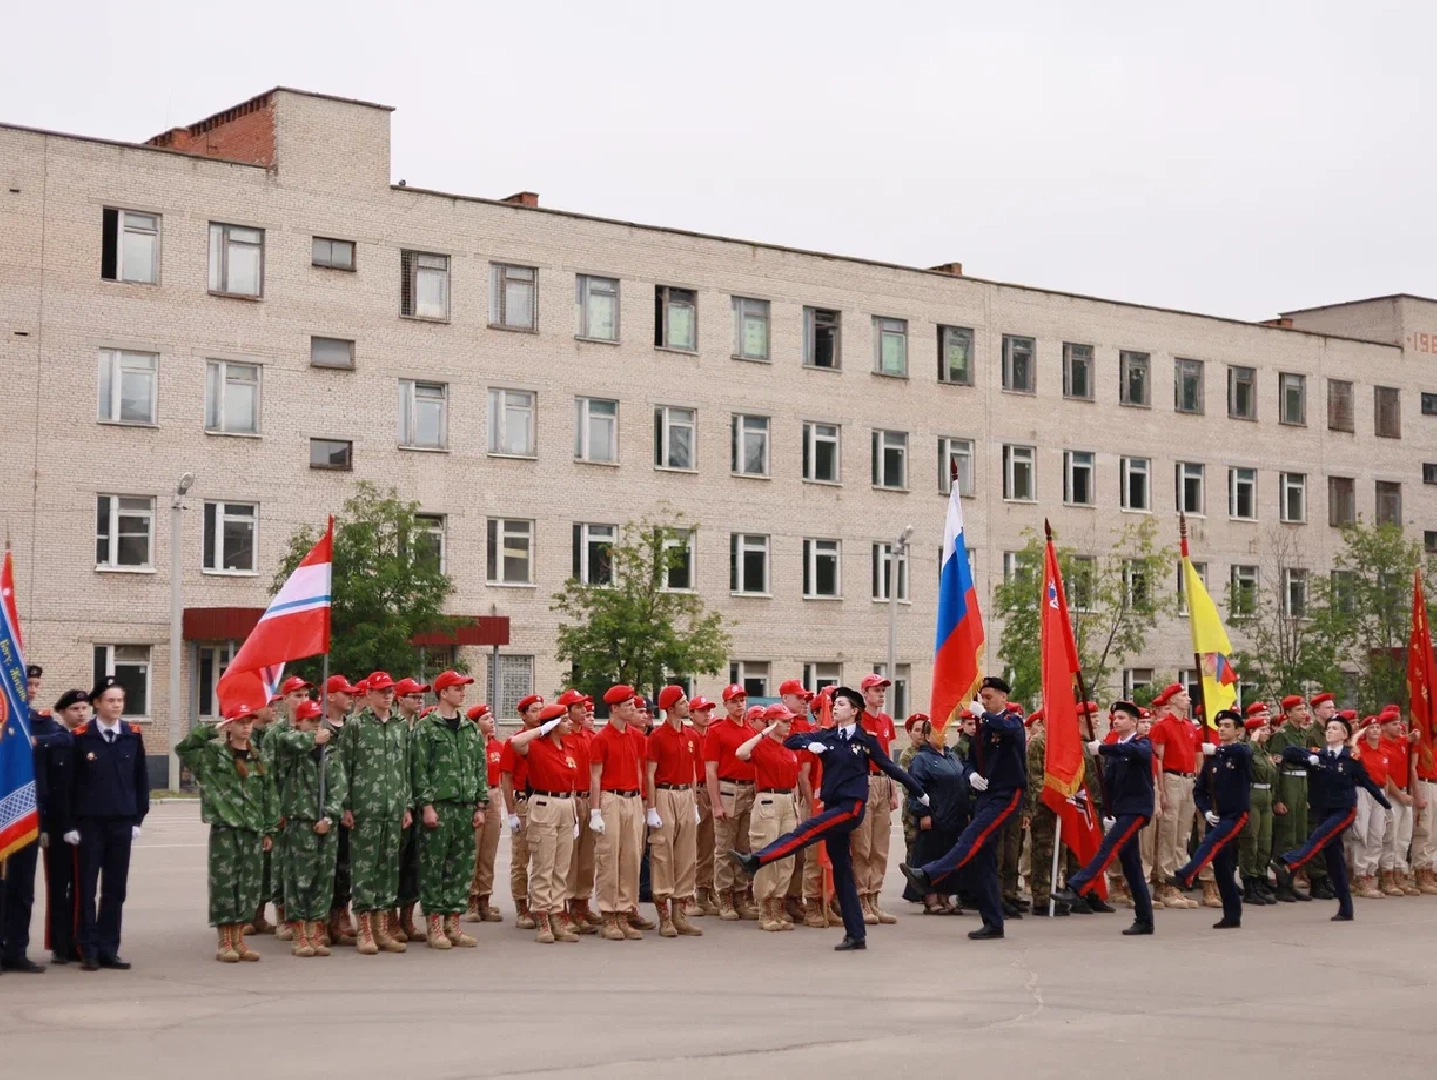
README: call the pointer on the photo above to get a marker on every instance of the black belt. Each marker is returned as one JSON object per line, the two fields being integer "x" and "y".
{"x": 775, "y": 791}
{"x": 620, "y": 791}
{"x": 1175, "y": 772}
{"x": 521, "y": 796}
{"x": 673, "y": 787}
{"x": 554, "y": 794}
{"x": 736, "y": 783}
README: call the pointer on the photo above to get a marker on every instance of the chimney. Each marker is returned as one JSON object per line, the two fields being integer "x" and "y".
{"x": 523, "y": 198}
{"x": 956, "y": 269}
{"x": 243, "y": 133}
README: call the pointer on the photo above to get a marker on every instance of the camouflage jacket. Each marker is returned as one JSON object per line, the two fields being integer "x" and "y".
{"x": 1037, "y": 751}
{"x": 229, "y": 797}
{"x": 299, "y": 760}
{"x": 376, "y": 760}
{"x": 449, "y": 762}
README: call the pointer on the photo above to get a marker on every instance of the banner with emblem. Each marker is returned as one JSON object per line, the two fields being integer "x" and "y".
{"x": 1421, "y": 675}
{"x": 19, "y": 817}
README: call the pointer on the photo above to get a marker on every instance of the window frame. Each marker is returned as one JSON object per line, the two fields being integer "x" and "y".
{"x": 1335, "y": 500}
{"x": 815, "y": 680}
{"x": 584, "y": 419}
{"x": 348, "y": 466}
{"x": 945, "y": 367}
{"x": 1126, "y": 359}
{"x": 739, "y": 430}
{"x": 882, "y": 554}
{"x": 811, "y": 439}
{"x": 1288, "y": 483}
{"x": 880, "y": 446}
{"x": 1182, "y": 370}
{"x": 331, "y": 241}
{"x": 1071, "y": 359}
{"x": 112, "y": 536}
{"x": 221, "y": 383}
{"x": 497, "y": 531}
{"x": 1239, "y": 375}
{"x": 500, "y": 284}
{"x": 1011, "y": 465}
{"x": 1285, "y": 381}
{"x": 214, "y": 549}
{"x": 1180, "y": 478}
{"x": 409, "y": 398}
{"x": 1234, "y": 483}
{"x": 1127, "y": 469}
{"x": 1335, "y": 401}
{"x": 411, "y": 267}
{"x": 1071, "y": 466}
{"x": 663, "y": 435}
{"x": 112, "y": 369}
{"x": 946, "y": 447}
{"x": 884, "y": 328}
{"x": 740, "y": 308}
{"x": 1011, "y": 344}
{"x": 1182, "y": 590}
{"x": 353, "y": 347}
{"x": 746, "y": 673}
{"x": 685, "y": 539}
{"x": 810, "y": 338}
{"x": 663, "y": 305}
{"x": 1293, "y": 576}
{"x": 583, "y": 294}
{"x": 1377, "y": 409}
{"x": 740, "y": 545}
{"x": 498, "y": 407}
{"x": 1427, "y": 402}
{"x": 588, "y": 540}
{"x": 832, "y": 548}
{"x": 1389, "y": 488}
{"x": 112, "y": 662}
{"x": 225, "y": 231}
{"x": 117, "y": 241}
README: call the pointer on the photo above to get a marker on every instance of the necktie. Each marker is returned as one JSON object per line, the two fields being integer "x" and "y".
{"x": 109, "y": 736}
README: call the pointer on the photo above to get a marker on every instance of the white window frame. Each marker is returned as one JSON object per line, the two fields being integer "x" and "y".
{"x": 1293, "y": 380}
{"x": 884, "y": 441}
{"x": 1288, "y": 485}
{"x": 951, "y": 447}
{"x": 436, "y": 526}
{"x": 111, "y": 537}
{"x": 218, "y": 381}
{"x": 684, "y": 540}
{"x": 1016, "y": 455}
{"x": 114, "y": 366}
{"x": 1074, "y": 354}
{"x": 884, "y": 330}
{"x": 1126, "y": 359}
{"x": 810, "y": 338}
{"x": 1128, "y": 469}
{"x": 506, "y": 280}
{"x": 224, "y": 238}
{"x": 417, "y": 266}
{"x": 745, "y": 672}
{"x": 214, "y": 549}
{"x": 505, "y": 402}
{"x": 411, "y": 393}
{"x": 1235, "y": 373}
{"x": 327, "y": 466}
{"x": 815, "y": 432}
{"x": 586, "y": 418}
{"x": 1183, "y": 472}
{"x": 882, "y": 554}
{"x": 587, "y": 535}
{"x": 1295, "y": 579}
{"x": 498, "y": 531}
{"x": 1071, "y": 466}
{"x": 746, "y": 308}
{"x": 741, "y": 544}
{"x": 665, "y": 421}
{"x": 665, "y": 303}
{"x": 818, "y": 674}
{"x": 947, "y": 335}
{"x": 1243, "y": 584}
{"x": 1201, "y": 568}
{"x": 330, "y": 264}
{"x": 1011, "y": 344}
{"x": 125, "y": 226}
{"x": 815, "y": 549}
{"x": 1237, "y": 476}
{"x": 1134, "y": 679}
{"x": 745, "y": 427}
{"x": 1133, "y": 570}
{"x": 586, "y": 288}
{"x": 112, "y": 661}
{"x": 1180, "y": 371}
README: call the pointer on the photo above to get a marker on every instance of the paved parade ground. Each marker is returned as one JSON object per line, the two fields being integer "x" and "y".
{"x": 1289, "y": 995}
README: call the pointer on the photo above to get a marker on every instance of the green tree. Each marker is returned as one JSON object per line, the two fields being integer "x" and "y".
{"x": 1114, "y": 595}
{"x": 387, "y": 585}
{"x": 633, "y": 628}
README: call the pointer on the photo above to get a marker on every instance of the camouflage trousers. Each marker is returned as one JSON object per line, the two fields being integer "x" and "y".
{"x": 446, "y": 859}
{"x": 309, "y": 866}
{"x": 274, "y": 870}
{"x": 374, "y": 845}
{"x": 1009, "y": 851}
{"x": 343, "y": 878}
{"x": 1043, "y": 834}
{"x": 236, "y": 873}
{"x": 1255, "y": 846}
{"x": 409, "y": 863}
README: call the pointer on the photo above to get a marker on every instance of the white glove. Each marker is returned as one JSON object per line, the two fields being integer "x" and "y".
{"x": 514, "y": 824}
{"x": 698, "y": 816}
{"x": 72, "y": 837}
{"x": 923, "y": 800}
{"x": 816, "y": 748}
{"x": 1108, "y": 823}
{"x": 596, "y": 821}
{"x": 651, "y": 819}
{"x": 1212, "y": 819}
{"x": 134, "y": 832}
{"x": 549, "y": 725}
{"x": 576, "y": 830}
{"x": 1209, "y": 749}
{"x": 1094, "y": 746}
{"x": 44, "y": 840}
{"x": 979, "y": 782}
{"x": 1313, "y": 759}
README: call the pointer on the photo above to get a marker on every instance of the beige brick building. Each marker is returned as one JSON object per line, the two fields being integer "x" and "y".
{"x": 251, "y": 297}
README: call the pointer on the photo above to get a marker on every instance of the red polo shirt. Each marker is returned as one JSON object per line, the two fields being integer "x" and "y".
{"x": 493, "y": 752}
{"x": 618, "y": 754}
{"x": 724, "y": 737}
{"x": 675, "y": 753}
{"x": 1178, "y": 739}
{"x": 516, "y": 766}
{"x": 552, "y": 768}
{"x": 775, "y": 765}
{"x": 1377, "y": 760}
{"x": 1397, "y": 752}
{"x": 881, "y": 728}
{"x": 577, "y": 744}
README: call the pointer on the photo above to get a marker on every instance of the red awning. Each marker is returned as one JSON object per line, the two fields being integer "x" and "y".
{"x": 235, "y": 623}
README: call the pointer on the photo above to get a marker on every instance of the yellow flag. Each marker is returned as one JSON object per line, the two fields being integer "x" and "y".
{"x": 1211, "y": 645}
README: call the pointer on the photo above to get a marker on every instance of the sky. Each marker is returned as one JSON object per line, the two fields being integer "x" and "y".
{"x": 1231, "y": 158}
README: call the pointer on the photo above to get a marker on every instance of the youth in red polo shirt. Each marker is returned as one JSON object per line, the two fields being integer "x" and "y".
{"x": 775, "y": 765}
{"x": 677, "y": 755}
{"x": 881, "y": 728}
{"x": 618, "y": 754}
{"x": 1377, "y": 760}
{"x": 493, "y": 752}
{"x": 552, "y": 767}
{"x": 577, "y": 743}
{"x": 1178, "y": 739}
{"x": 516, "y": 766}
{"x": 1396, "y": 752}
{"x": 724, "y": 737}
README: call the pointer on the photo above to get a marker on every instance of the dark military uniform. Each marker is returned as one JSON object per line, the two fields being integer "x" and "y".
{"x": 1224, "y": 787}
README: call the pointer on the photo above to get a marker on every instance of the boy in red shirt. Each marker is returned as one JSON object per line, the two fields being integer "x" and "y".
{"x": 1397, "y": 746}
{"x": 730, "y": 786}
{"x": 672, "y": 753}
{"x": 775, "y": 811}
{"x": 700, "y": 714}
{"x": 580, "y": 708}
{"x": 1366, "y": 837}
{"x": 1175, "y": 741}
{"x": 616, "y": 815}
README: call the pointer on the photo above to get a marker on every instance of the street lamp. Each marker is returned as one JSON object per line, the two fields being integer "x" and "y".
{"x": 898, "y": 550}
{"x": 177, "y": 710}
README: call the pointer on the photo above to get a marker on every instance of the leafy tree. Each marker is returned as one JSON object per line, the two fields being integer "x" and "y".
{"x": 387, "y": 585}
{"x": 633, "y": 629}
{"x": 1114, "y": 599}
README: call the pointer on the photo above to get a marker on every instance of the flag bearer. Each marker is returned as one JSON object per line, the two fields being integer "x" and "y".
{"x": 312, "y": 800}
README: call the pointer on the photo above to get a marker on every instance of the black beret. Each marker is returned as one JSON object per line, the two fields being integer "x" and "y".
{"x": 34, "y": 671}
{"x": 68, "y": 698}
{"x": 1228, "y": 714}
{"x": 108, "y": 682}
{"x": 1125, "y": 707}
{"x": 849, "y": 694}
{"x": 992, "y": 682}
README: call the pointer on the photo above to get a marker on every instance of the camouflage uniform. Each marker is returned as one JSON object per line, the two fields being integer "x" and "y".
{"x": 409, "y": 850}
{"x": 309, "y": 866}
{"x": 1289, "y": 830}
{"x": 1042, "y": 825}
{"x": 241, "y": 809}
{"x": 264, "y": 741}
{"x": 376, "y": 761}
{"x": 1255, "y": 845}
{"x": 450, "y": 774}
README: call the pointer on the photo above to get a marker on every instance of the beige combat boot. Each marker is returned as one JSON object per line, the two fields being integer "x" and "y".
{"x": 581, "y": 919}
{"x": 611, "y": 930}
{"x": 1389, "y": 885}
{"x": 727, "y": 911}
{"x": 525, "y": 918}
{"x": 436, "y": 938}
{"x": 1408, "y": 883}
{"x": 366, "y": 946}
{"x": 285, "y": 930}
{"x": 865, "y": 904}
{"x": 245, "y": 952}
{"x": 301, "y": 945}
{"x": 1210, "y": 896}
{"x": 681, "y": 920}
{"x": 488, "y": 912}
{"x": 474, "y": 912}
{"x": 226, "y": 953}
{"x": 384, "y": 933}
{"x": 316, "y": 938}
{"x": 394, "y": 927}
{"x": 630, "y": 927}
{"x": 883, "y": 917}
{"x": 666, "y": 922}
{"x": 692, "y": 908}
{"x": 744, "y": 902}
{"x": 1427, "y": 882}
{"x": 340, "y": 932}
{"x": 638, "y": 922}
{"x": 563, "y": 926}
{"x": 543, "y": 932}
{"x": 707, "y": 902}
{"x": 1367, "y": 888}
{"x": 457, "y": 937}
{"x": 813, "y": 914}
{"x": 767, "y": 920}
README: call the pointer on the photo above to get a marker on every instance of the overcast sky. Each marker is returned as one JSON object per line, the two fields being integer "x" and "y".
{"x": 1233, "y": 158}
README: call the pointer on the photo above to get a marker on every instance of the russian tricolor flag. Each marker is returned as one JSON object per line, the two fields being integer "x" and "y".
{"x": 958, "y": 649}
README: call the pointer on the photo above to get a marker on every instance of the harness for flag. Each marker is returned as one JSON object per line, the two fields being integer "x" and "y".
{"x": 19, "y": 816}
{"x": 294, "y": 626}
{"x": 958, "y": 646}
{"x": 1421, "y": 675}
{"x": 1210, "y": 643}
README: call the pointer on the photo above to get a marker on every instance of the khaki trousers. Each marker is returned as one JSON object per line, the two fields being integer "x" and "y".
{"x": 673, "y": 845}
{"x": 1365, "y": 840}
{"x": 1398, "y": 836}
{"x": 519, "y": 855}
{"x": 581, "y": 866}
{"x": 869, "y": 842}
{"x": 704, "y": 841}
{"x": 1424, "y": 837}
{"x": 618, "y": 851}
{"x": 549, "y": 835}
{"x": 731, "y": 834}
{"x": 773, "y": 815}
{"x": 486, "y": 846}
{"x": 1175, "y": 825}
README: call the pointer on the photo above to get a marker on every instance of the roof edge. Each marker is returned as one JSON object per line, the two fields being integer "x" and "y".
{"x": 1364, "y": 300}
{"x": 123, "y": 145}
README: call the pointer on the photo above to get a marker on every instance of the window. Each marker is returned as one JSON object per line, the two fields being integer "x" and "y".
{"x": 593, "y": 561}
{"x": 1133, "y": 384}
{"x": 882, "y": 560}
{"x": 1133, "y": 473}
{"x": 1081, "y": 574}
{"x": 124, "y": 532}
{"x": 511, "y": 683}
{"x": 1293, "y": 489}
{"x": 748, "y": 563}
{"x": 820, "y": 453}
{"x": 674, "y": 430}
{"x": 331, "y": 353}
{"x": 1387, "y": 412}
{"x": 509, "y": 555}
{"x": 902, "y": 677}
{"x": 1078, "y": 371}
{"x": 750, "y": 328}
{"x": 820, "y": 338}
{"x": 752, "y": 675}
{"x": 1078, "y": 475}
{"x": 1389, "y": 503}
{"x": 821, "y": 569}
{"x": 130, "y": 247}
{"x": 1242, "y": 599}
{"x": 336, "y": 454}
{"x": 750, "y": 445}
{"x": 1294, "y": 592}
{"x": 1134, "y": 679}
{"x": 1429, "y": 542}
{"x": 511, "y": 422}
{"x": 1292, "y": 402}
{"x": 332, "y": 254}
{"x": 676, "y": 316}
{"x": 818, "y": 675}
{"x": 681, "y": 569}
{"x": 1339, "y": 405}
{"x": 596, "y": 308}
{"x": 430, "y": 545}
{"x": 236, "y": 260}
{"x": 513, "y": 297}
{"x": 1019, "y": 375}
{"x": 423, "y": 415}
{"x": 130, "y": 665}
{"x": 1341, "y": 501}
{"x": 1429, "y": 473}
{"x": 1429, "y": 404}
{"x": 1201, "y": 568}
{"x": 1135, "y": 584}
{"x": 1187, "y": 386}
{"x": 955, "y": 460}
{"x": 423, "y": 285}
{"x": 955, "y": 355}
{"x": 1344, "y": 584}
{"x": 890, "y": 459}
{"x": 1190, "y": 488}
{"x": 128, "y": 386}
{"x": 1241, "y": 393}
{"x": 1242, "y": 494}
{"x": 890, "y": 346}
{"x": 229, "y": 537}
{"x": 1015, "y": 566}
{"x": 596, "y": 430}
{"x": 232, "y": 398}
{"x": 1018, "y": 479}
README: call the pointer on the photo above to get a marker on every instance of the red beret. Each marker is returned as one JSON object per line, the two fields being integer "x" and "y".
{"x": 1291, "y": 701}
{"x": 1035, "y": 715}
{"x": 1167, "y": 693}
{"x": 1145, "y": 714}
{"x": 967, "y": 714}
{"x": 572, "y": 697}
{"x": 669, "y": 696}
{"x": 917, "y": 717}
{"x": 535, "y": 699}
{"x": 552, "y": 712}
{"x": 1391, "y": 712}
{"x": 699, "y": 704}
{"x": 1257, "y": 707}
{"x": 1319, "y": 699}
{"x": 617, "y": 695}
{"x": 476, "y": 711}
{"x": 1253, "y": 723}
{"x": 1088, "y": 708}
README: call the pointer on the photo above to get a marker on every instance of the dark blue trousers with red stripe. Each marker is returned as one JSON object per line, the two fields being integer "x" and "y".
{"x": 834, "y": 827}
{"x": 1122, "y": 842}
{"x": 1327, "y": 838}
{"x": 977, "y": 849}
{"x": 1219, "y": 847}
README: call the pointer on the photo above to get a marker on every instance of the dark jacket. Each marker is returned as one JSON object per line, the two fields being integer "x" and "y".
{"x": 999, "y": 754}
{"x": 45, "y": 730}
{"x": 1226, "y": 774}
{"x": 944, "y": 777}
{"x": 110, "y": 779}
{"x": 1128, "y": 777}
{"x": 1333, "y": 780}
{"x": 845, "y": 764}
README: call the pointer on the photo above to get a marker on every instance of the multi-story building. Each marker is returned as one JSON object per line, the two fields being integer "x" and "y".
{"x": 251, "y": 299}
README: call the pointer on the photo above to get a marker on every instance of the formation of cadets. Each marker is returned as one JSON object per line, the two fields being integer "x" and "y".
{"x": 354, "y": 817}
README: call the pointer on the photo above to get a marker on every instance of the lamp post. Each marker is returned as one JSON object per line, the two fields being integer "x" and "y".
{"x": 177, "y": 709}
{"x": 898, "y": 550}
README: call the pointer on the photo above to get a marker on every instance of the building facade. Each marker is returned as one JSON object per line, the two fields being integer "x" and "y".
{"x": 251, "y": 300}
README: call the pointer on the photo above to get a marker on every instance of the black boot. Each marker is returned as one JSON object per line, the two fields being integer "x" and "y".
{"x": 987, "y": 933}
{"x": 1011, "y": 910}
{"x": 1040, "y": 911}
{"x": 1226, "y": 924}
{"x": 1138, "y": 929}
{"x": 1098, "y": 904}
{"x": 1251, "y": 894}
{"x": 917, "y": 878}
{"x": 1065, "y": 895}
{"x": 1322, "y": 890}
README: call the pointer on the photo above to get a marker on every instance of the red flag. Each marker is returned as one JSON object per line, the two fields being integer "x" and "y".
{"x": 1063, "y": 789}
{"x": 1421, "y": 676}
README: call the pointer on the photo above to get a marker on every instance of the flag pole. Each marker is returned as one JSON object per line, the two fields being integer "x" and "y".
{"x": 1201, "y": 702}
{"x": 323, "y": 719}
{"x": 1053, "y": 882}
